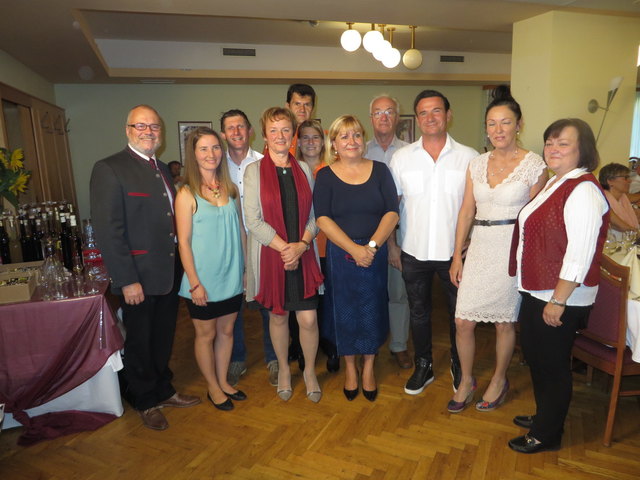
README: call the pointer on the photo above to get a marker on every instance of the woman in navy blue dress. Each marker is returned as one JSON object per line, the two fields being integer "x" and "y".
{"x": 356, "y": 206}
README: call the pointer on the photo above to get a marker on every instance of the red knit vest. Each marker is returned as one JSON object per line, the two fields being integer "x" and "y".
{"x": 545, "y": 241}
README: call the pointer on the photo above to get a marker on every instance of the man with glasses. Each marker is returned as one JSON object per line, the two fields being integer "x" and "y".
{"x": 132, "y": 211}
{"x": 384, "y": 111}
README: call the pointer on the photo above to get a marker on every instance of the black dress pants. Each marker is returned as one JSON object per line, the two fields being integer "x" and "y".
{"x": 418, "y": 278}
{"x": 150, "y": 329}
{"x": 547, "y": 351}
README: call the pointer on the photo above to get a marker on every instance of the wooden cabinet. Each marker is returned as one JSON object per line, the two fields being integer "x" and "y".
{"x": 40, "y": 129}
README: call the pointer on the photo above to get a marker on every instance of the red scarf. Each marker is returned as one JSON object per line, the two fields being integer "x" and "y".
{"x": 271, "y": 289}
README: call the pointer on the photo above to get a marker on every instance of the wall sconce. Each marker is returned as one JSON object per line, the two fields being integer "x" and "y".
{"x": 412, "y": 58}
{"x": 350, "y": 39}
{"x": 593, "y": 104}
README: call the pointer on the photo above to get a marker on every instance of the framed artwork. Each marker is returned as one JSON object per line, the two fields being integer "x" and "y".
{"x": 184, "y": 129}
{"x": 406, "y": 128}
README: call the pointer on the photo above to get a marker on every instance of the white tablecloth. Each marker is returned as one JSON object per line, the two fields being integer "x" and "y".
{"x": 631, "y": 260}
{"x": 101, "y": 393}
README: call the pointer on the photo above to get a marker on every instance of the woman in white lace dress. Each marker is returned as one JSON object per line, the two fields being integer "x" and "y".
{"x": 499, "y": 183}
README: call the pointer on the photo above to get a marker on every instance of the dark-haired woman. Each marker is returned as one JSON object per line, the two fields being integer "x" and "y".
{"x": 557, "y": 246}
{"x": 211, "y": 240}
{"x": 498, "y": 184}
{"x": 616, "y": 180}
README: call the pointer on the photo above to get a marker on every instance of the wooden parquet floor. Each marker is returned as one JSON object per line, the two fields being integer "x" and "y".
{"x": 397, "y": 437}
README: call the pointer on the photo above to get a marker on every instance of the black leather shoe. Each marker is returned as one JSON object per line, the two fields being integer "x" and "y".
{"x": 350, "y": 394}
{"x": 333, "y": 363}
{"x": 527, "y": 444}
{"x": 421, "y": 377}
{"x": 370, "y": 394}
{"x": 226, "y": 405}
{"x": 238, "y": 396}
{"x": 524, "y": 421}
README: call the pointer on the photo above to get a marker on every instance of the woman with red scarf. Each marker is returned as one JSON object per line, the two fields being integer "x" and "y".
{"x": 283, "y": 273}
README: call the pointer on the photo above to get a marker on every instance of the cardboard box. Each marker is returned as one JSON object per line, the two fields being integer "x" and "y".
{"x": 16, "y": 293}
{"x": 23, "y": 269}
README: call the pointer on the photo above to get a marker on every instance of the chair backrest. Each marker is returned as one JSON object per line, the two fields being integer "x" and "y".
{"x": 608, "y": 318}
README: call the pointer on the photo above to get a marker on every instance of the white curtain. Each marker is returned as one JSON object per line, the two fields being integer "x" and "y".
{"x": 635, "y": 131}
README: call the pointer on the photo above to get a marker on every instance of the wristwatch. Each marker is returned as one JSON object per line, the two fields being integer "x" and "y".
{"x": 554, "y": 301}
{"x": 373, "y": 244}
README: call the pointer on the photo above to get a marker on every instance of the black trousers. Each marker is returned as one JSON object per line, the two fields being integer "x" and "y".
{"x": 547, "y": 351}
{"x": 418, "y": 278}
{"x": 150, "y": 328}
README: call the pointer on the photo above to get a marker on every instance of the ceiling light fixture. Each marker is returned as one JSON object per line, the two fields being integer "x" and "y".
{"x": 371, "y": 39}
{"x": 391, "y": 57}
{"x": 412, "y": 58}
{"x": 350, "y": 39}
{"x": 383, "y": 46}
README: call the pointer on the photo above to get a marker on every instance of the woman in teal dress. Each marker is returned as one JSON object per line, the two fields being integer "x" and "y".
{"x": 211, "y": 241}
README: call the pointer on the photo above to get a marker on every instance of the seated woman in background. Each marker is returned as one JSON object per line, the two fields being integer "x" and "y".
{"x": 357, "y": 208}
{"x": 283, "y": 273}
{"x": 616, "y": 179}
{"x": 211, "y": 241}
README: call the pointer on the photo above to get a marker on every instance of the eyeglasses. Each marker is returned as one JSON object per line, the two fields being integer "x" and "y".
{"x": 143, "y": 126}
{"x": 389, "y": 112}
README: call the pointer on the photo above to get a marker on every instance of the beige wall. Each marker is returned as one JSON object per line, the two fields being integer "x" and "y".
{"x": 97, "y": 113}
{"x": 561, "y": 60}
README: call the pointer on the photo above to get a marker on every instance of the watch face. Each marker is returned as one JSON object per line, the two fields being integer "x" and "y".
{"x": 373, "y": 244}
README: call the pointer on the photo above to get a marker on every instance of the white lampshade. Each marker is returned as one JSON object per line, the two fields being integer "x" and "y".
{"x": 350, "y": 40}
{"x": 371, "y": 40}
{"x": 391, "y": 58}
{"x": 412, "y": 59}
{"x": 381, "y": 50}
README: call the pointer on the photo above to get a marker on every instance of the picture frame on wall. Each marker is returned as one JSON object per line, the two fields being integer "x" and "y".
{"x": 406, "y": 128}
{"x": 184, "y": 129}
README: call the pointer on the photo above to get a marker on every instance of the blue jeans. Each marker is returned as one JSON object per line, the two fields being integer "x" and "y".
{"x": 239, "y": 352}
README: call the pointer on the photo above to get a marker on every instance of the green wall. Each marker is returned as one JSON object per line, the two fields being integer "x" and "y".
{"x": 97, "y": 113}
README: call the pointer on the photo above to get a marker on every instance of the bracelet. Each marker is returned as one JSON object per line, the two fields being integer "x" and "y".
{"x": 557, "y": 302}
{"x": 191, "y": 290}
{"x": 306, "y": 243}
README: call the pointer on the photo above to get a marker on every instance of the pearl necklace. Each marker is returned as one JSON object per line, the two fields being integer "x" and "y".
{"x": 500, "y": 170}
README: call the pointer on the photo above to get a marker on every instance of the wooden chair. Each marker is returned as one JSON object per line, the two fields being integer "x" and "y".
{"x": 602, "y": 344}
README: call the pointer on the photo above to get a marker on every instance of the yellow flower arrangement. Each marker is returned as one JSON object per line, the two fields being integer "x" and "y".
{"x": 13, "y": 176}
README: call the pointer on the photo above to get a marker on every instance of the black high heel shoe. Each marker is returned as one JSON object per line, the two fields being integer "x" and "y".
{"x": 351, "y": 394}
{"x": 370, "y": 394}
{"x": 226, "y": 405}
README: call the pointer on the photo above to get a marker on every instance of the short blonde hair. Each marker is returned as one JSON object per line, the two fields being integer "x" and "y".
{"x": 343, "y": 122}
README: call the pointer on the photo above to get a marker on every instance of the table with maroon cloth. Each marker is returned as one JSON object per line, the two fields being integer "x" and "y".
{"x": 48, "y": 351}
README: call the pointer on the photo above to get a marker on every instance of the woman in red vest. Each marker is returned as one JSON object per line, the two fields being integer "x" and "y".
{"x": 557, "y": 246}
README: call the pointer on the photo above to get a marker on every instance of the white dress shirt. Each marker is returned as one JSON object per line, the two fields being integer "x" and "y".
{"x": 583, "y": 213}
{"x": 432, "y": 192}
{"x": 236, "y": 172}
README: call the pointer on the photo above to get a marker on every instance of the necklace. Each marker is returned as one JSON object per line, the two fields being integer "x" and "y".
{"x": 500, "y": 170}
{"x": 215, "y": 189}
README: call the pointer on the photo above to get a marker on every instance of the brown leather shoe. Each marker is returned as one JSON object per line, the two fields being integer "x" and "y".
{"x": 153, "y": 418}
{"x": 403, "y": 359}
{"x": 181, "y": 401}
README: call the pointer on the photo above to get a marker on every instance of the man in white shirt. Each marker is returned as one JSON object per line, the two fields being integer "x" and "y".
{"x": 430, "y": 177}
{"x": 236, "y": 130}
{"x": 384, "y": 111}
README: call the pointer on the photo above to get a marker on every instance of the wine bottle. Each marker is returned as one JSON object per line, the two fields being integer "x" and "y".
{"x": 5, "y": 249}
